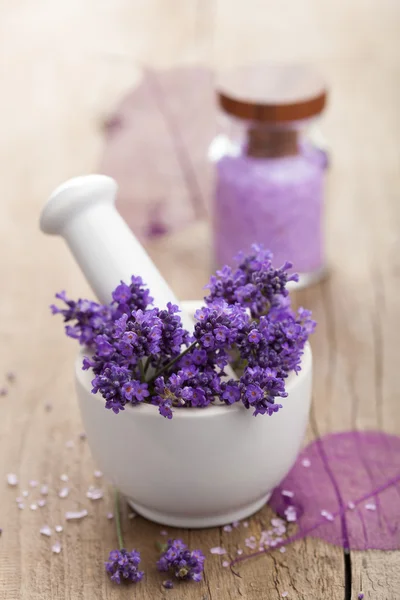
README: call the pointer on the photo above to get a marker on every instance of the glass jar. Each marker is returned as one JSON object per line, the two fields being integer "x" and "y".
{"x": 269, "y": 173}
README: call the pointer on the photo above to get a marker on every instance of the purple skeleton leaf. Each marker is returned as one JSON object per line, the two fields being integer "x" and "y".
{"x": 158, "y": 122}
{"x": 344, "y": 468}
{"x": 339, "y": 484}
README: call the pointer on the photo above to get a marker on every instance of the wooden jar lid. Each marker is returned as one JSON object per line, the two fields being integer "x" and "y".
{"x": 272, "y": 92}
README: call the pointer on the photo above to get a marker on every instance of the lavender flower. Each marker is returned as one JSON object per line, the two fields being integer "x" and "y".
{"x": 123, "y": 566}
{"x": 255, "y": 284}
{"x": 135, "y": 296}
{"x": 110, "y": 383}
{"x": 182, "y": 562}
{"x": 143, "y": 354}
{"x": 90, "y": 318}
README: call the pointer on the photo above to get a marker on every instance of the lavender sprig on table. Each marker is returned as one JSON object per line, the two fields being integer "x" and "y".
{"x": 183, "y": 563}
{"x": 140, "y": 353}
{"x": 122, "y": 565}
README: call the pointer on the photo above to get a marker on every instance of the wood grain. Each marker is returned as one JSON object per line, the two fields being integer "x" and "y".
{"x": 65, "y": 66}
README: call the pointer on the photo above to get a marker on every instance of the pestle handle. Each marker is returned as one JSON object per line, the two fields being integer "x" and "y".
{"x": 82, "y": 210}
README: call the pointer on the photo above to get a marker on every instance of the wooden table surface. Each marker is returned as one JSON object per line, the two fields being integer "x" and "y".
{"x": 64, "y": 66}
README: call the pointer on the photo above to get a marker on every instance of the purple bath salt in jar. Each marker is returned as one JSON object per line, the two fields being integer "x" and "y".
{"x": 270, "y": 174}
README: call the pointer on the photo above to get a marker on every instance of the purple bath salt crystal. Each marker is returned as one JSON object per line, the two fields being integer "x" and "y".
{"x": 228, "y": 528}
{"x": 41, "y": 502}
{"x": 277, "y": 202}
{"x": 360, "y": 596}
{"x": 225, "y": 563}
{"x": 287, "y": 493}
{"x": 94, "y": 493}
{"x": 168, "y": 584}
{"x": 291, "y": 514}
{"x": 218, "y": 550}
{"x": 45, "y": 530}
{"x": 12, "y": 479}
{"x": 75, "y": 515}
{"x": 56, "y": 548}
{"x": 327, "y": 515}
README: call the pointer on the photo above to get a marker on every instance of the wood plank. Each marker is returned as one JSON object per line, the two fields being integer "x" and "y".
{"x": 55, "y": 99}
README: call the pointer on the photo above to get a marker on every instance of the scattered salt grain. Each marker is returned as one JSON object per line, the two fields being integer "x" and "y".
{"x": 10, "y": 376}
{"x": 306, "y": 462}
{"x": 76, "y": 514}
{"x": 33, "y": 506}
{"x": 12, "y": 479}
{"x": 250, "y": 542}
{"x": 64, "y": 477}
{"x": 245, "y": 523}
{"x": 370, "y": 506}
{"x": 44, "y": 490}
{"x": 218, "y": 550}
{"x": 228, "y": 528}
{"x": 282, "y": 549}
{"x": 327, "y": 515}
{"x": 287, "y": 493}
{"x": 21, "y": 505}
{"x": 63, "y": 493}
{"x": 98, "y": 474}
{"x": 82, "y": 436}
{"x": 290, "y": 514}
{"x": 351, "y": 505}
{"x": 277, "y": 522}
{"x": 225, "y": 563}
{"x": 285, "y": 594}
{"x": 132, "y": 515}
{"x": 41, "y": 502}
{"x": 236, "y": 524}
{"x": 69, "y": 444}
{"x": 58, "y": 528}
{"x": 45, "y": 530}
{"x": 94, "y": 493}
{"x": 163, "y": 532}
{"x": 239, "y": 551}
{"x": 3, "y": 391}
{"x": 56, "y": 548}
{"x": 110, "y": 516}
{"x": 48, "y": 407}
{"x": 25, "y": 493}
{"x": 33, "y": 483}
{"x": 19, "y": 499}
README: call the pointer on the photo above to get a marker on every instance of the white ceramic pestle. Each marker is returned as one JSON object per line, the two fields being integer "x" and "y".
{"x": 82, "y": 210}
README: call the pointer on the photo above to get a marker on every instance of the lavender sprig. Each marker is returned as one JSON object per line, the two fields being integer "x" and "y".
{"x": 143, "y": 354}
{"x": 122, "y": 566}
{"x": 181, "y": 562}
